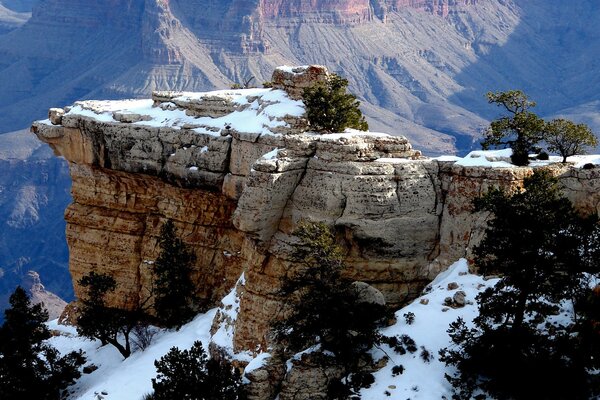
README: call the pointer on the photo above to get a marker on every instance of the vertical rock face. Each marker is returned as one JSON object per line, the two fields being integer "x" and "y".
{"x": 115, "y": 219}
{"x": 237, "y": 170}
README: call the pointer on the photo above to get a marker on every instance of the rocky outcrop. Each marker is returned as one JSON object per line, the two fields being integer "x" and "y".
{"x": 236, "y": 171}
{"x": 53, "y": 304}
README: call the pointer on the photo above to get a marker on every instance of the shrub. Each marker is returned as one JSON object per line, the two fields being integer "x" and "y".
{"x": 189, "y": 374}
{"x": 543, "y": 156}
{"x": 397, "y": 370}
{"x": 330, "y": 109}
{"x": 425, "y": 355}
{"x": 143, "y": 336}
{"x": 29, "y": 367}
{"x": 409, "y": 317}
{"x": 400, "y": 344}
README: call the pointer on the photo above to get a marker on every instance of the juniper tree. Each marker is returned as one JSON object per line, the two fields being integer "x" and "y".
{"x": 521, "y": 129}
{"x": 329, "y": 108}
{"x": 97, "y": 320}
{"x": 30, "y": 368}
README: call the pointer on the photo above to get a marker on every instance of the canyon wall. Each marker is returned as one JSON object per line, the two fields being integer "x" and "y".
{"x": 237, "y": 170}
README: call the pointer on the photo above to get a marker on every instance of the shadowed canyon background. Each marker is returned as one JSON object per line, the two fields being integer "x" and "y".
{"x": 421, "y": 68}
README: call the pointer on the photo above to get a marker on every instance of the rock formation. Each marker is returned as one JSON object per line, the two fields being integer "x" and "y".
{"x": 236, "y": 170}
{"x": 39, "y": 295}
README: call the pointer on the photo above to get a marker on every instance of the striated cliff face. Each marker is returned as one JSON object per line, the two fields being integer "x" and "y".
{"x": 237, "y": 170}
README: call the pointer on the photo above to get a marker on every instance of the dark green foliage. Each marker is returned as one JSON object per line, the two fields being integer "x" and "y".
{"x": 541, "y": 249}
{"x": 425, "y": 355}
{"x": 330, "y": 109}
{"x": 400, "y": 344}
{"x": 29, "y": 367}
{"x": 568, "y": 138}
{"x": 588, "y": 327}
{"x": 189, "y": 374}
{"x": 520, "y": 130}
{"x": 324, "y": 307}
{"x": 397, "y": 370}
{"x": 349, "y": 387}
{"x": 173, "y": 292}
{"x": 409, "y": 317}
{"x": 96, "y": 320}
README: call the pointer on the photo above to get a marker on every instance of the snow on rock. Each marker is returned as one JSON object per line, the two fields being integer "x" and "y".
{"x": 256, "y": 363}
{"x": 226, "y": 317}
{"x": 501, "y": 159}
{"x": 258, "y": 111}
{"x": 420, "y": 379}
{"x": 487, "y": 158}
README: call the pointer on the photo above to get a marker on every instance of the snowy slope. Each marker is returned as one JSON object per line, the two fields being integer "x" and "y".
{"x": 130, "y": 379}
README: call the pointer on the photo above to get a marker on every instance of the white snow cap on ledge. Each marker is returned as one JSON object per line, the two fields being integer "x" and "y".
{"x": 258, "y": 111}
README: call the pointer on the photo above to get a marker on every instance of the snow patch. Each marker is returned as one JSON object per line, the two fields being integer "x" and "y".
{"x": 420, "y": 379}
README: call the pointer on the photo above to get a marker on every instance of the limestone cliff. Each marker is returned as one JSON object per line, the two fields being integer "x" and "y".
{"x": 237, "y": 170}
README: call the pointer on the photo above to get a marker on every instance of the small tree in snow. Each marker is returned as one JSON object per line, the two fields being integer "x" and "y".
{"x": 325, "y": 309}
{"x": 96, "y": 320}
{"x": 189, "y": 374}
{"x": 568, "y": 139}
{"x": 29, "y": 367}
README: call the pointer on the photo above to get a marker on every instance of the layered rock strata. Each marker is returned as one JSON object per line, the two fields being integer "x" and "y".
{"x": 237, "y": 170}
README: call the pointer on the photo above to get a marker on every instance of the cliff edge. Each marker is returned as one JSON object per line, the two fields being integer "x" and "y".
{"x": 236, "y": 170}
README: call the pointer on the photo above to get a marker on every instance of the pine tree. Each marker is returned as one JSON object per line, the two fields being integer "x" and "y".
{"x": 189, "y": 374}
{"x": 174, "y": 292}
{"x": 537, "y": 244}
{"x": 29, "y": 367}
{"x": 330, "y": 109}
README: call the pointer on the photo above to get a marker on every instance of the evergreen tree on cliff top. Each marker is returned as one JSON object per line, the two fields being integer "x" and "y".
{"x": 330, "y": 109}
{"x": 521, "y": 129}
{"x": 29, "y": 367}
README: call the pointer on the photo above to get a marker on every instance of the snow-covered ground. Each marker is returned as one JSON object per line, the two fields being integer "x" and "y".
{"x": 501, "y": 159}
{"x": 130, "y": 379}
{"x": 420, "y": 379}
